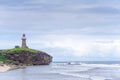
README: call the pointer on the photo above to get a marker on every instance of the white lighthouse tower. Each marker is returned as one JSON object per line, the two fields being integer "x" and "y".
{"x": 24, "y": 41}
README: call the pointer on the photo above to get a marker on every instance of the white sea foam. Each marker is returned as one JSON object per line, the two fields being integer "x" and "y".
{"x": 91, "y": 71}
{"x": 76, "y": 75}
{"x": 98, "y": 78}
{"x": 101, "y": 65}
{"x": 85, "y": 76}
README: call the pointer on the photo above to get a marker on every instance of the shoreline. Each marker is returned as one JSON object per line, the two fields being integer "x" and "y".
{"x": 7, "y": 67}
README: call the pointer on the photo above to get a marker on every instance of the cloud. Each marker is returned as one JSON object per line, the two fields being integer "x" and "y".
{"x": 57, "y": 15}
{"x": 80, "y": 46}
{"x": 101, "y": 10}
{"x": 83, "y": 28}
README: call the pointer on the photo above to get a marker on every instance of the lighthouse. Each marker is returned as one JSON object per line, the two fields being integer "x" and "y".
{"x": 24, "y": 41}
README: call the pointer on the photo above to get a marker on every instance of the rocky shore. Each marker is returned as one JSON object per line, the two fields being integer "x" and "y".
{"x": 21, "y": 57}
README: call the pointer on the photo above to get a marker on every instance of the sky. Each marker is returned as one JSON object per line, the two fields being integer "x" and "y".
{"x": 69, "y": 30}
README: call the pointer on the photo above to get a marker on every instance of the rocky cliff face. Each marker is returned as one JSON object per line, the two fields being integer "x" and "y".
{"x": 29, "y": 58}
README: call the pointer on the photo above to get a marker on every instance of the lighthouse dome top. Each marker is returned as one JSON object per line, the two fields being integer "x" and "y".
{"x": 23, "y": 35}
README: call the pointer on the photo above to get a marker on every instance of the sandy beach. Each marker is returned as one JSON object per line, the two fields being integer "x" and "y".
{"x": 4, "y": 68}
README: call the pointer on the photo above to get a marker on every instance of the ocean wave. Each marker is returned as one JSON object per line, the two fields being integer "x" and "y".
{"x": 101, "y": 65}
{"x": 89, "y": 71}
{"x": 86, "y": 77}
{"x": 75, "y": 75}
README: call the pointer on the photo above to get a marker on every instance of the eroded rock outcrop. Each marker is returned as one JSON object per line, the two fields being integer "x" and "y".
{"x": 29, "y": 58}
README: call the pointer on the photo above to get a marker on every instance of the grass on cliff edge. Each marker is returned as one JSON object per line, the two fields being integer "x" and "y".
{"x": 18, "y": 50}
{"x": 15, "y": 51}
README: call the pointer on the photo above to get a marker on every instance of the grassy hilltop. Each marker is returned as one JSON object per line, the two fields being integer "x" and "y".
{"x": 17, "y": 50}
{"x": 24, "y": 56}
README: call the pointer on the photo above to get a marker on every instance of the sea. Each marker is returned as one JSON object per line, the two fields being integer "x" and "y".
{"x": 74, "y": 70}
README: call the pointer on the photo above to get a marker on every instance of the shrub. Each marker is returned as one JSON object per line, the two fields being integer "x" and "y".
{"x": 17, "y": 46}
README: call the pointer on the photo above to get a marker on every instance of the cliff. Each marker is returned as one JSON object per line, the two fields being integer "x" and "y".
{"x": 25, "y": 56}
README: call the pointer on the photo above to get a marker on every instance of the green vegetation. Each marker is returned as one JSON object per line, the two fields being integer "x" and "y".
{"x": 17, "y": 46}
{"x": 15, "y": 51}
{"x": 18, "y": 50}
{"x": 4, "y": 60}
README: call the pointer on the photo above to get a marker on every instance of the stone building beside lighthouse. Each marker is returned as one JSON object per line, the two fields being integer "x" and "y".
{"x": 24, "y": 41}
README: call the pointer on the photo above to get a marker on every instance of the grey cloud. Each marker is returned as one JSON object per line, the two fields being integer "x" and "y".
{"x": 56, "y": 18}
{"x": 101, "y": 10}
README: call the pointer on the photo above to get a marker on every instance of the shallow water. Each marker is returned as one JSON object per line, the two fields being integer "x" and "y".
{"x": 63, "y": 71}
